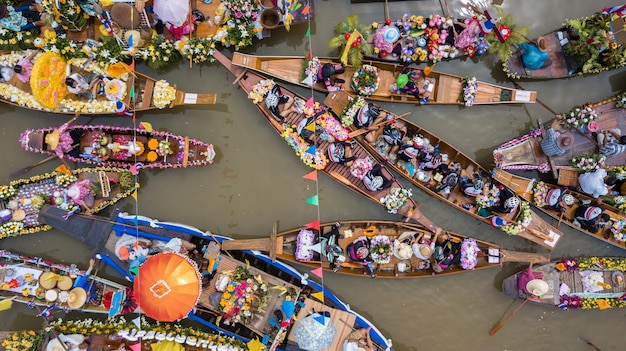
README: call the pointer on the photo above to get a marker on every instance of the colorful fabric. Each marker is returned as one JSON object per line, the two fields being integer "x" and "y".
{"x": 65, "y": 141}
{"x": 14, "y": 20}
{"x": 27, "y": 68}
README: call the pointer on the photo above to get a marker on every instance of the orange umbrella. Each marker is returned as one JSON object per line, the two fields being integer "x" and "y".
{"x": 168, "y": 286}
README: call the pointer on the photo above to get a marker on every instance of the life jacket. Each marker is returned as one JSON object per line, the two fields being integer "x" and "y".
{"x": 409, "y": 150}
{"x": 336, "y": 152}
{"x": 392, "y": 136}
{"x": 448, "y": 253}
{"x": 363, "y": 118}
{"x": 358, "y": 250}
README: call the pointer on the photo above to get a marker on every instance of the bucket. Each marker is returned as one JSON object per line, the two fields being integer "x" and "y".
{"x": 265, "y": 4}
{"x": 270, "y": 18}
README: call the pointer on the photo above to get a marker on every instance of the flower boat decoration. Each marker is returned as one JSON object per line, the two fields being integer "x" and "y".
{"x": 245, "y": 295}
{"x": 381, "y": 249}
{"x": 365, "y": 80}
{"x": 84, "y": 190}
{"x": 523, "y": 220}
{"x": 117, "y": 332}
{"x": 576, "y": 282}
{"x": 121, "y": 147}
{"x": 48, "y": 92}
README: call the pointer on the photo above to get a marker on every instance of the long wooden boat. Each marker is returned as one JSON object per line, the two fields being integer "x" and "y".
{"x": 137, "y": 91}
{"x": 576, "y": 282}
{"x": 536, "y": 192}
{"x": 439, "y": 88}
{"x": 96, "y": 144}
{"x": 47, "y": 284}
{"x": 575, "y": 48}
{"x": 84, "y": 190}
{"x": 538, "y": 231}
{"x": 526, "y": 153}
{"x": 117, "y": 334}
{"x": 96, "y": 232}
{"x": 402, "y": 203}
{"x": 301, "y": 246}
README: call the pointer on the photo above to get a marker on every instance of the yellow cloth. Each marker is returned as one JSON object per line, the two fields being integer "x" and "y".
{"x": 167, "y": 345}
{"x": 117, "y": 70}
{"x": 344, "y": 56}
{"x": 255, "y": 345}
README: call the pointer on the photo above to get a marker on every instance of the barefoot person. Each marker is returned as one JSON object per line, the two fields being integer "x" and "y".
{"x": 359, "y": 340}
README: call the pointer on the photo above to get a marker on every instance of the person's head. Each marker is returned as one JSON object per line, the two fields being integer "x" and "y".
{"x": 70, "y": 82}
{"x": 3, "y": 10}
{"x": 17, "y": 69}
{"x": 622, "y": 139}
{"x": 610, "y": 180}
{"x": 511, "y": 202}
{"x": 373, "y": 110}
{"x": 604, "y": 218}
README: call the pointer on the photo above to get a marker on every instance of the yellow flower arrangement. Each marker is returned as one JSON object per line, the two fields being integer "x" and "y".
{"x": 163, "y": 94}
{"x": 22, "y": 341}
{"x": 47, "y": 80}
{"x": 141, "y": 148}
{"x": 153, "y": 144}
{"x": 152, "y": 156}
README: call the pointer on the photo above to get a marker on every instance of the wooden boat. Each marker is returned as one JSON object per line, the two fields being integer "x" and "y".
{"x": 96, "y": 233}
{"x": 35, "y": 280}
{"x": 526, "y": 153}
{"x": 137, "y": 91}
{"x": 300, "y": 246}
{"x": 117, "y": 334}
{"x": 439, "y": 88}
{"x": 587, "y": 283}
{"x": 85, "y": 190}
{"x": 404, "y": 205}
{"x": 526, "y": 188}
{"x": 579, "y": 47}
{"x": 154, "y": 149}
{"x": 538, "y": 231}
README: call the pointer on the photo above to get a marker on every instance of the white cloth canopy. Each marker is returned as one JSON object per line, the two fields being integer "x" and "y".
{"x": 172, "y": 11}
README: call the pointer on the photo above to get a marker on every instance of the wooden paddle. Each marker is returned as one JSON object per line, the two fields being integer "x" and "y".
{"x": 501, "y": 324}
{"x": 376, "y": 126}
{"x": 28, "y": 168}
{"x": 590, "y": 344}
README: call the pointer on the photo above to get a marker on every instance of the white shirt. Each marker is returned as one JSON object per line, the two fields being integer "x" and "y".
{"x": 81, "y": 84}
{"x": 592, "y": 183}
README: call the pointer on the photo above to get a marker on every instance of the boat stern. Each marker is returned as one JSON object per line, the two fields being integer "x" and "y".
{"x": 509, "y": 286}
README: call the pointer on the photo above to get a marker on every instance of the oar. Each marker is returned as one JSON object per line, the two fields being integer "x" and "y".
{"x": 590, "y": 344}
{"x": 27, "y": 169}
{"x": 376, "y": 126}
{"x": 501, "y": 324}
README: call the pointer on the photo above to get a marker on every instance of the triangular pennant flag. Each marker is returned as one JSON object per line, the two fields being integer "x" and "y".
{"x": 319, "y": 319}
{"x": 318, "y": 273}
{"x": 312, "y": 200}
{"x": 308, "y": 31}
{"x": 311, "y": 150}
{"x": 308, "y": 80}
{"x": 134, "y": 194}
{"x": 137, "y": 322}
{"x": 311, "y": 175}
{"x": 314, "y": 224}
{"x": 309, "y": 55}
{"x": 310, "y": 103}
{"x": 132, "y": 64}
{"x": 134, "y": 270}
{"x": 146, "y": 125}
{"x": 132, "y": 92}
{"x": 310, "y": 127}
{"x": 63, "y": 169}
{"x": 134, "y": 169}
{"x": 318, "y": 295}
{"x": 305, "y": 10}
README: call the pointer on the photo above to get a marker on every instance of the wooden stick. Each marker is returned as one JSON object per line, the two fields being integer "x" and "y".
{"x": 376, "y": 126}
{"x": 28, "y": 168}
{"x": 501, "y": 324}
{"x": 590, "y": 344}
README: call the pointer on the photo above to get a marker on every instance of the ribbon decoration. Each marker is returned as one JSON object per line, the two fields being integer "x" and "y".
{"x": 344, "y": 56}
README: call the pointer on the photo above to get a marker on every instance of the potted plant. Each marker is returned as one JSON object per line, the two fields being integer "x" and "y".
{"x": 351, "y": 40}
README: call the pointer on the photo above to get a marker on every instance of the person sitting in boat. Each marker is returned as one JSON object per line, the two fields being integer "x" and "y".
{"x": 611, "y": 141}
{"x": 472, "y": 187}
{"x": 468, "y": 33}
{"x": 82, "y": 281}
{"x": 393, "y": 135}
{"x": 559, "y": 200}
{"x": 83, "y": 86}
{"x": 359, "y": 251}
{"x": 368, "y": 116}
{"x": 533, "y": 57}
{"x": 341, "y": 152}
{"x": 408, "y": 153}
{"x": 408, "y": 83}
{"x": 81, "y": 194}
{"x": 375, "y": 179}
{"x": 450, "y": 179}
{"x": 507, "y": 202}
{"x": 331, "y": 248}
{"x": 275, "y": 98}
{"x": 430, "y": 158}
{"x": 20, "y": 18}
{"x": 590, "y": 218}
{"x": 61, "y": 141}
{"x": 24, "y": 67}
{"x": 325, "y": 73}
{"x": 597, "y": 183}
{"x": 556, "y": 143}
{"x": 527, "y": 276}
{"x": 359, "y": 340}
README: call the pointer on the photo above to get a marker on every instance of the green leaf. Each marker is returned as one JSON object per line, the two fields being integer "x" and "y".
{"x": 337, "y": 41}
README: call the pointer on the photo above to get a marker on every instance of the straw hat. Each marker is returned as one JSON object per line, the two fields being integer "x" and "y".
{"x": 422, "y": 251}
{"x": 18, "y": 215}
{"x": 537, "y": 287}
{"x": 47, "y": 280}
{"x": 542, "y": 44}
{"x": 55, "y": 345}
{"x": 401, "y": 250}
{"x": 64, "y": 283}
{"x": 71, "y": 341}
{"x": 121, "y": 14}
{"x": 564, "y": 140}
{"x": 77, "y": 298}
{"x": 52, "y": 139}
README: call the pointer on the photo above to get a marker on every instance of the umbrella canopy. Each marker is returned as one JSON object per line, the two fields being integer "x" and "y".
{"x": 168, "y": 286}
{"x": 314, "y": 332}
{"x": 172, "y": 11}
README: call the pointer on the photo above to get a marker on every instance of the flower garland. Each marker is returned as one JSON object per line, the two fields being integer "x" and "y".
{"x": 620, "y": 203}
{"x": 361, "y": 166}
{"x": 7, "y": 191}
{"x": 569, "y": 264}
{"x": 567, "y": 302}
{"x": 332, "y": 127}
{"x": 304, "y": 244}
{"x": 381, "y": 250}
{"x": 312, "y": 67}
{"x": 489, "y": 196}
{"x": 22, "y": 341}
{"x": 350, "y": 111}
{"x": 318, "y": 161}
{"x": 579, "y": 116}
{"x": 365, "y": 80}
{"x": 602, "y": 263}
{"x": 469, "y": 253}
{"x": 470, "y": 88}
{"x": 201, "y": 50}
{"x": 522, "y": 221}
{"x": 160, "y": 53}
{"x": 588, "y": 162}
{"x": 242, "y": 24}
{"x": 260, "y": 89}
{"x": 245, "y": 294}
{"x": 163, "y": 94}
{"x": 115, "y": 89}
{"x": 396, "y": 198}
{"x": 619, "y": 172}
{"x": 618, "y": 229}
{"x": 540, "y": 193}
{"x": 67, "y": 13}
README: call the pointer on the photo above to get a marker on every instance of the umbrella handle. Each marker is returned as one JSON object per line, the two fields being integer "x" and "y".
{"x": 107, "y": 260}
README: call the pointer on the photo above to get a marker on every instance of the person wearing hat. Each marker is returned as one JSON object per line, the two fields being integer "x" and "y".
{"x": 472, "y": 187}
{"x": 66, "y": 342}
{"x": 82, "y": 281}
{"x": 376, "y": 180}
{"x": 368, "y": 116}
{"x": 559, "y": 200}
{"x": 507, "y": 201}
{"x": 61, "y": 141}
{"x": 359, "y": 251}
{"x": 533, "y": 57}
{"x": 596, "y": 183}
{"x": 326, "y": 72}
{"x": 611, "y": 141}
{"x": 556, "y": 143}
{"x": 527, "y": 276}
{"x": 590, "y": 218}
{"x": 359, "y": 340}
{"x": 341, "y": 152}
{"x": 394, "y": 134}
{"x": 331, "y": 248}
{"x": 17, "y": 18}
{"x": 80, "y": 193}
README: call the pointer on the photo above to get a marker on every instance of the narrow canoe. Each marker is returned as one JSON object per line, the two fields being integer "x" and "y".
{"x": 23, "y": 199}
{"x": 556, "y": 43}
{"x": 292, "y": 246}
{"x": 525, "y": 188}
{"x": 249, "y": 79}
{"x": 526, "y": 153}
{"x": 274, "y": 273}
{"x": 441, "y": 89}
{"x": 587, "y": 283}
{"x": 149, "y": 93}
{"x": 538, "y": 231}
{"x": 93, "y": 143}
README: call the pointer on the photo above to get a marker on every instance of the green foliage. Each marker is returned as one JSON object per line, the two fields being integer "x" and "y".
{"x": 160, "y": 54}
{"x": 355, "y": 54}
{"x": 518, "y": 36}
{"x": 10, "y": 40}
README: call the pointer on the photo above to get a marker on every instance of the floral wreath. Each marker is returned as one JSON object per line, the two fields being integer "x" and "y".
{"x": 381, "y": 249}
{"x": 365, "y": 80}
{"x": 396, "y": 198}
{"x": 470, "y": 88}
{"x": 350, "y": 111}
